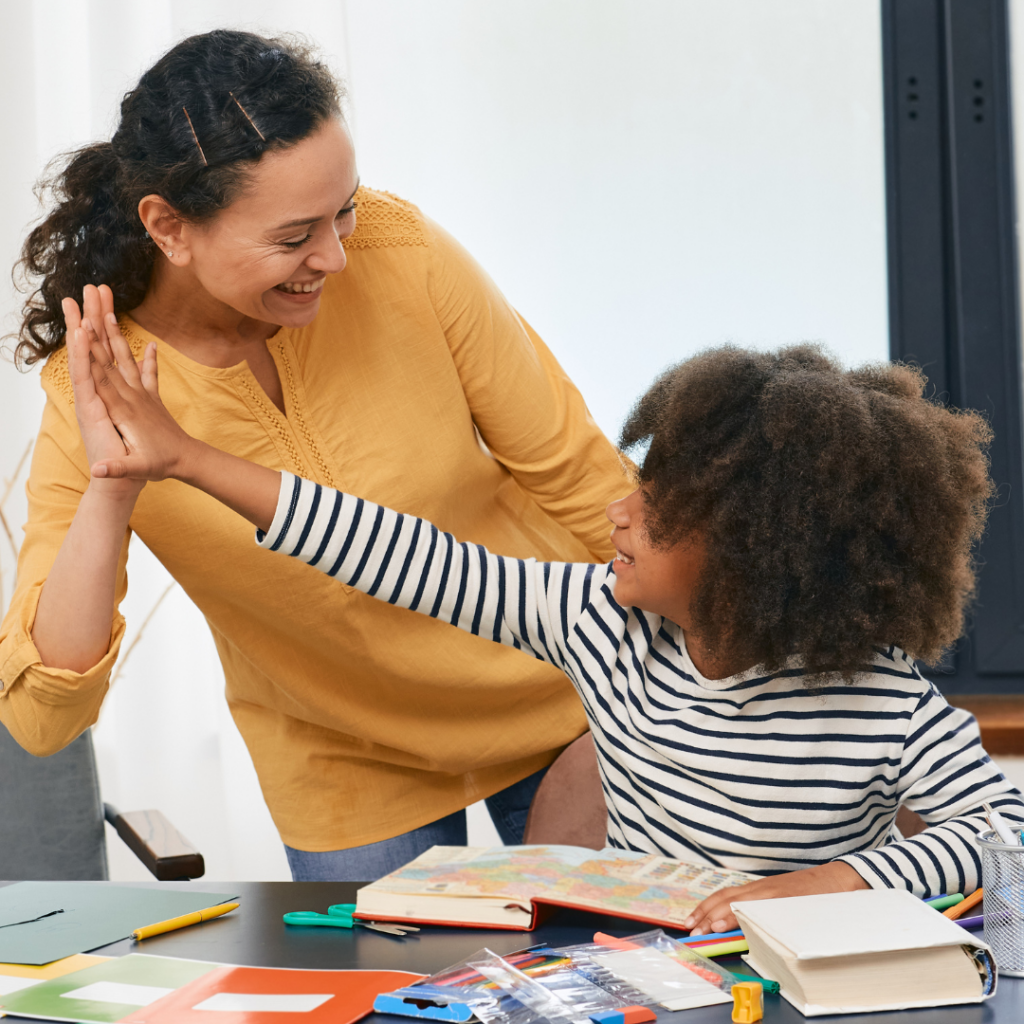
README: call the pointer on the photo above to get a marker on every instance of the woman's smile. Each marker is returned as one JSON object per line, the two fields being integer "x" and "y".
{"x": 302, "y": 286}
{"x": 300, "y": 292}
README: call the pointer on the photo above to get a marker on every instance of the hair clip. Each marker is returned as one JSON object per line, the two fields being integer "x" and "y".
{"x": 247, "y": 117}
{"x": 206, "y": 163}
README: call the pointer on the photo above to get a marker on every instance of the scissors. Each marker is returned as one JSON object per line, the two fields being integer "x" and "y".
{"x": 340, "y": 916}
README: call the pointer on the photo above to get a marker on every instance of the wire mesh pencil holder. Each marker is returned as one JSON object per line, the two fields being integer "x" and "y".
{"x": 1002, "y": 872}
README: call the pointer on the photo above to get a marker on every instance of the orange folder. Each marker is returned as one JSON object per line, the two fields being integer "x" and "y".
{"x": 272, "y": 995}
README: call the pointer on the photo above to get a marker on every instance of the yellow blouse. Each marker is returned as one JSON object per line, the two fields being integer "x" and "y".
{"x": 363, "y": 720}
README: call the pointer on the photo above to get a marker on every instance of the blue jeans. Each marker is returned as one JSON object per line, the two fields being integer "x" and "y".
{"x": 508, "y": 810}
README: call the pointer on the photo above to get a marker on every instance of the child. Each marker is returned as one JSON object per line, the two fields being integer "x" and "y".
{"x": 796, "y": 531}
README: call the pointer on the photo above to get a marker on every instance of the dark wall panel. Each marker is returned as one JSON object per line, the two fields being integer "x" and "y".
{"x": 953, "y": 289}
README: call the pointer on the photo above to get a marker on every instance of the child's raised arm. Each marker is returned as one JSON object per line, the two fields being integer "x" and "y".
{"x": 157, "y": 448}
{"x": 406, "y": 561}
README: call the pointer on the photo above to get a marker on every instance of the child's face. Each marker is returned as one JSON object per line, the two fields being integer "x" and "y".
{"x": 658, "y": 580}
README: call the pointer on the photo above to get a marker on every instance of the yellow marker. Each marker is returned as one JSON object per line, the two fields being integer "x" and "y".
{"x": 747, "y": 1002}
{"x": 182, "y": 922}
{"x": 738, "y": 945}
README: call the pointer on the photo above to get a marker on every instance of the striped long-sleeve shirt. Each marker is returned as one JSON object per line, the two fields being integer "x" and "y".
{"x": 752, "y": 772}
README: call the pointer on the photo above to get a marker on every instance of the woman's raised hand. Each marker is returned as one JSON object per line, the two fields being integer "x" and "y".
{"x": 153, "y": 446}
{"x": 102, "y": 441}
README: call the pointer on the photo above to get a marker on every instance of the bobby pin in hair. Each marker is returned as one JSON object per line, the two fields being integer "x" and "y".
{"x": 263, "y": 138}
{"x": 206, "y": 163}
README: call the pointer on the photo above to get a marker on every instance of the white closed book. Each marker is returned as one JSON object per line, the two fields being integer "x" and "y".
{"x": 857, "y": 952}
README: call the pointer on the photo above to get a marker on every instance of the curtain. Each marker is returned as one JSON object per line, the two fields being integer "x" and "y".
{"x": 642, "y": 180}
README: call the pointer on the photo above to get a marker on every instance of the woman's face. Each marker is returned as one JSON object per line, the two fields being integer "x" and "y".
{"x": 268, "y": 254}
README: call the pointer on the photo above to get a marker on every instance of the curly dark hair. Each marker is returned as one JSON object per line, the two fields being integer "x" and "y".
{"x": 93, "y": 234}
{"x": 839, "y": 507}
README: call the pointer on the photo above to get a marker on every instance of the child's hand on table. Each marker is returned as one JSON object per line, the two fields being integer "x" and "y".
{"x": 714, "y": 914}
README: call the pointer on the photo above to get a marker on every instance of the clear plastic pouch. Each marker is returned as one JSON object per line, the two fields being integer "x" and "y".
{"x": 554, "y": 990}
{"x": 667, "y": 971}
{"x": 536, "y": 986}
{"x": 565, "y": 985}
{"x": 657, "y": 939}
{"x": 583, "y": 962}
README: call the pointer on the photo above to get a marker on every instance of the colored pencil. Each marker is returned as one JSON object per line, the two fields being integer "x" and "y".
{"x": 964, "y": 905}
{"x": 722, "y": 948}
{"x": 971, "y": 922}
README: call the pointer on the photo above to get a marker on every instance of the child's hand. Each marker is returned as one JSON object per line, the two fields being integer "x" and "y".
{"x": 714, "y": 915}
{"x": 155, "y": 447}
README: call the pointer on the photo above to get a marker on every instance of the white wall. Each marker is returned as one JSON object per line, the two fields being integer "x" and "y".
{"x": 642, "y": 179}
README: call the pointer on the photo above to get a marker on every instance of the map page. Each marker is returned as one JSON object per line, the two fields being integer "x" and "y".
{"x": 642, "y": 886}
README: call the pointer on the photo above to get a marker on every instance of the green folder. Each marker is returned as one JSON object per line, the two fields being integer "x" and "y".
{"x": 107, "y": 992}
{"x": 91, "y": 914}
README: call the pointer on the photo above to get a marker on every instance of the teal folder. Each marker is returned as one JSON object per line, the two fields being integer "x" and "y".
{"x": 45, "y": 921}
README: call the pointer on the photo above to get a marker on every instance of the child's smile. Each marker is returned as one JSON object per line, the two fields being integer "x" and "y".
{"x": 658, "y": 579}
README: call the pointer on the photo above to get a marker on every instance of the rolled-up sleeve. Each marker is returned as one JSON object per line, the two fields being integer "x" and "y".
{"x": 44, "y": 709}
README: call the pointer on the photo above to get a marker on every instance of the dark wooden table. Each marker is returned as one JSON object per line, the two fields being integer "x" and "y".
{"x": 254, "y": 935}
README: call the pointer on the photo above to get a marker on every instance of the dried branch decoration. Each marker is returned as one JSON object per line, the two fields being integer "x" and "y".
{"x": 138, "y": 636}
{"x": 8, "y": 532}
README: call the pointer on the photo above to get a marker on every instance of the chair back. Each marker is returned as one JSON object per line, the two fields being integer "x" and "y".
{"x": 568, "y": 808}
{"x": 51, "y": 815}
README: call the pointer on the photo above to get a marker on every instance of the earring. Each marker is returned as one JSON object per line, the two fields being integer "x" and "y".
{"x": 169, "y": 254}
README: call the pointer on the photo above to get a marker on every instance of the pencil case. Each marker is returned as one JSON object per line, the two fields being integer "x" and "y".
{"x": 554, "y": 990}
{"x": 540, "y": 985}
{"x": 458, "y": 993}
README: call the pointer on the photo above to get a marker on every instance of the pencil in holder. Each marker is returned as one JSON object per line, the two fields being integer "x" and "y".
{"x": 1002, "y": 870}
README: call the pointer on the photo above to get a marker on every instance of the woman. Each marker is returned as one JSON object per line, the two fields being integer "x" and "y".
{"x": 371, "y": 354}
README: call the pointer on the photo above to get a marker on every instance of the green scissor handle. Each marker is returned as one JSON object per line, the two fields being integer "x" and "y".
{"x": 342, "y": 910}
{"x": 311, "y": 919}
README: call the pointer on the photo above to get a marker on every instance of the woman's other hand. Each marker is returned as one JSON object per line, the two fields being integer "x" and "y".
{"x": 153, "y": 446}
{"x": 715, "y": 915}
{"x": 101, "y": 438}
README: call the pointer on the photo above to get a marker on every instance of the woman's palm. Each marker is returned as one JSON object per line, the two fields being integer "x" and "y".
{"x": 102, "y": 441}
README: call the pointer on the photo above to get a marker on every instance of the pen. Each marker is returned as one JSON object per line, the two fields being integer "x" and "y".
{"x": 183, "y": 922}
{"x": 711, "y": 937}
{"x": 603, "y": 939}
{"x": 770, "y": 987}
{"x": 998, "y": 823}
{"x": 701, "y": 946}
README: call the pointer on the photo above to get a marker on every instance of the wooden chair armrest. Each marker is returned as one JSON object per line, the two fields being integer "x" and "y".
{"x": 167, "y": 854}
